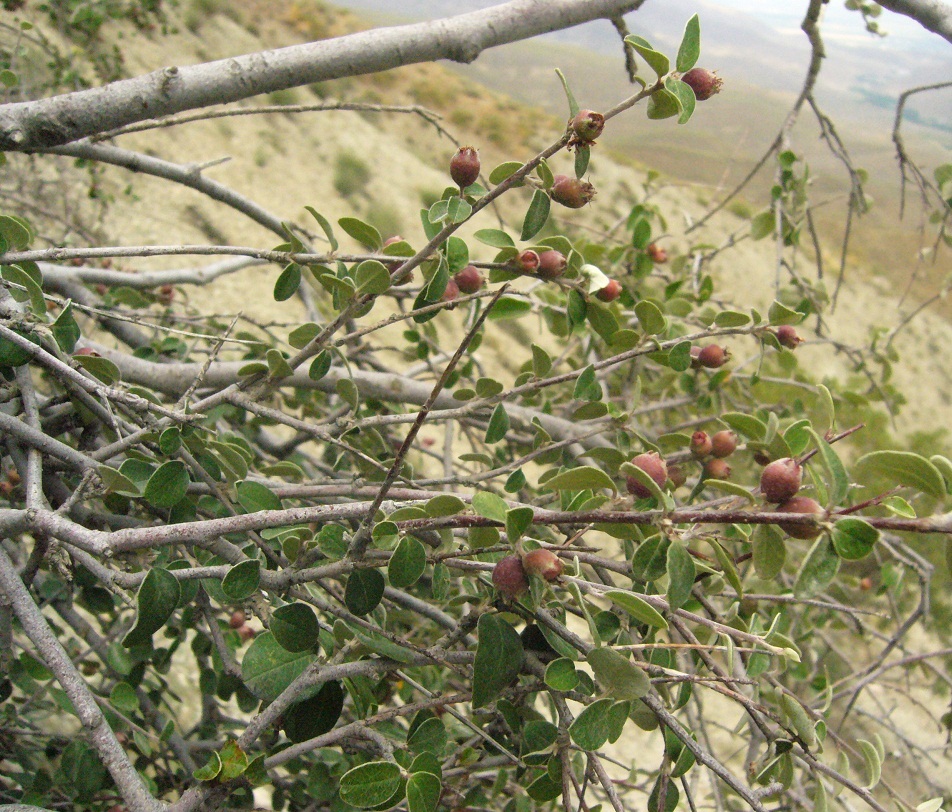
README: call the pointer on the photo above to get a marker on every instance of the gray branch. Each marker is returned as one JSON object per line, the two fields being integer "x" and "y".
{"x": 934, "y": 15}
{"x": 38, "y": 125}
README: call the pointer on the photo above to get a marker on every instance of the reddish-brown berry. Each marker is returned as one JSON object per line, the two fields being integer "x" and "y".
{"x": 587, "y": 126}
{"x": 509, "y": 577}
{"x": 787, "y": 336}
{"x": 713, "y": 356}
{"x": 701, "y": 444}
{"x": 866, "y": 583}
{"x": 13, "y": 476}
{"x": 464, "y": 167}
{"x": 703, "y": 82}
{"x": 571, "y": 192}
{"x": 451, "y": 292}
{"x": 654, "y": 466}
{"x": 543, "y": 562}
{"x": 610, "y": 292}
{"x": 781, "y": 479}
{"x": 805, "y": 505}
{"x": 723, "y": 443}
{"x": 237, "y": 619}
{"x": 716, "y": 468}
{"x": 657, "y": 253}
{"x": 246, "y": 633}
{"x": 676, "y": 476}
{"x": 86, "y": 351}
{"x": 551, "y": 264}
{"x": 529, "y": 261}
{"x": 469, "y": 280}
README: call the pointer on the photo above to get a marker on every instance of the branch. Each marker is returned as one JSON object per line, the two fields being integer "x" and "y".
{"x": 934, "y": 15}
{"x": 36, "y": 125}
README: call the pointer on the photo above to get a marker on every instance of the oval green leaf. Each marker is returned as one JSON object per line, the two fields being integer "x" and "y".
{"x": 295, "y": 627}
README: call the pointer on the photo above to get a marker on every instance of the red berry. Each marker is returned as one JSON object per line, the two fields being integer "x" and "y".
{"x": 657, "y": 253}
{"x": 237, "y": 619}
{"x": 713, "y": 356}
{"x": 723, "y": 443}
{"x": 866, "y": 583}
{"x": 551, "y": 264}
{"x": 469, "y": 280}
{"x": 787, "y": 336}
{"x": 781, "y": 479}
{"x": 529, "y": 260}
{"x": 246, "y": 633}
{"x": 610, "y": 292}
{"x": 676, "y": 476}
{"x": 701, "y": 444}
{"x": 587, "y": 126}
{"x": 464, "y": 167}
{"x": 86, "y": 351}
{"x": 543, "y": 562}
{"x": 651, "y": 463}
{"x": 571, "y": 192}
{"x": 717, "y": 468}
{"x": 805, "y": 505}
{"x": 509, "y": 577}
{"x": 703, "y": 82}
{"x": 451, "y": 292}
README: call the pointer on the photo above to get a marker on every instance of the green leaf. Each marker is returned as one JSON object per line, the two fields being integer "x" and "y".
{"x": 518, "y": 520}
{"x": 118, "y": 483}
{"x": 904, "y": 467}
{"x": 617, "y": 674}
{"x": 241, "y": 581}
{"x": 156, "y": 599}
{"x": 458, "y": 210}
{"x": 423, "y": 791}
{"x": 747, "y": 425}
{"x": 498, "y": 660}
{"x": 799, "y": 718}
{"x": 295, "y": 627}
{"x": 253, "y": 496}
{"x": 762, "y": 225}
{"x": 31, "y": 283}
{"x": 316, "y": 715}
{"x": 684, "y": 96}
{"x": 407, "y": 563}
{"x": 233, "y": 761}
{"x": 372, "y": 277}
{"x": 287, "y": 283}
{"x": 429, "y": 737}
{"x": 560, "y": 675}
{"x": 731, "y": 318}
{"x": 573, "y": 105}
{"x": 727, "y": 566}
{"x": 168, "y": 485}
{"x": 123, "y": 698}
{"x": 769, "y": 551}
{"x": 320, "y": 366}
{"x": 663, "y": 104}
{"x": 268, "y": 668}
{"x": 363, "y": 232}
{"x": 370, "y": 784}
{"x": 650, "y": 317}
{"x": 838, "y": 480}
{"x": 364, "y": 591}
{"x": 494, "y": 236}
{"x": 690, "y": 48}
{"x": 508, "y": 307}
{"x": 498, "y": 175}
{"x": 211, "y": 769}
{"x": 586, "y": 385}
{"x": 325, "y": 226}
{"x": 101, "y": 368}
{"x": 658, "y": 62}
{"x": 490, "y": 506}
{"x": 444, "y": 505}
{"x": 818, "y": 569}
{"x": 873, "y": 762}
{"x": 853, "y": 538}
{"x": 579, "y": 479}
{"x": 382, "y": 646}
{"x": 681, "y": 572}
{"x": 536, "y": 215}
{"x": 498, "y": 425}
{"x": 779, "y": 313}
{"x": 637, "y": 607}
{"x": 592, "y": 726}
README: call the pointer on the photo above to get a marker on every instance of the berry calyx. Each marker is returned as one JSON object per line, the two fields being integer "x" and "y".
{"x": 716, "y": 468}
{"x": 781, "y": 479}
{"x": 703, "y": 82}
{"x": 551, "y": 264}
{"x": 543, "y": 562}
{"x": 654, "y": 466}
{"x": 723, "y": 443}
{"x": 713, "y": 356}
{"x": 469, "y": 280}
{"x": 787, "y": 336}
{"x": 657, "y": 253}
{"x": 701, "y": 444}
{"x": 571, "y": 192}
{"x": 529, "y": 260}
{"x": 610, "y": 292}
{"x": 509, "y": 577}
{"x": 464, "y": 167}
{"x": 587, "y": 126}
{"x": 805, "y": 505}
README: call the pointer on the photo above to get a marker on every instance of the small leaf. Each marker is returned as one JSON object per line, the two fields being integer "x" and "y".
{"x": 315, "y": 716}
{"x": 498, "y": 425}
{"x": 663, "y": 104}
{"x": 762, "y": 225}
{"x": 637, "y": 607}
{"x": 592, "y": 726}
{"x": 818, "y": 569}
{"x": 157, "y": 598}
{"x": 617, "y": 674}
{"x": 267, "y": 668}
{"x": 573, "y": 105}
{"x": 494, "y": 236}
{"x": 684, "y": 95}
{"x": 536, "y": 215}
{"x": 838, "y": 480}
{"x": 508, "y": 307}
{"x": 295, "y": 627}
{"x": 584, "y": 477}
{"x": 287, "y": 283}
{"x": 499, "y": 656}
{"x": 681, "y": 572}
{"x": 325, "y": 226}
{"x": 363, "y": 232}
{"x": 253, "y": 496}
{"x": 658, "y": 61}
{"x": 430, "y": 736}
{"x": 407, "y": 563}
{"x": 490, "y": 506}
{"x": 800, "y": 719}
{"x": 319, "y": 366}
{"x": 423, "y": 792}
{"x": 364, "y": 591}
{"x": 690, "y": 48}
{"x": 873, "y": 762}
{"x": 498, "y": 175}
{"x": 65, "y": 329}
{"x": 370, "y": 784}
{"x": 769, "y": 551}
{"x": 372, "y": 277}
{"x": 906, "y": 468}
{"x": 779, "y": 313}
{"x": 458, "y": 210}
{"x": 211, "y": 769}
{"x": 444, "y": 505}
{"x": 518, "y": 520}
{"x": 650, "y": 317}
{"x": 853, "y": 538}
{"x": 560, "y": 675}
{"x": 168, "y": 485}
{"x": 583, "y": 153}
{"x": 586, "y": 385}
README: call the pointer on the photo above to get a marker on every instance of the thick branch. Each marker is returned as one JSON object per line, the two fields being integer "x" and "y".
{"x": 934, "y": 15}
{"x": 28, "y": 126}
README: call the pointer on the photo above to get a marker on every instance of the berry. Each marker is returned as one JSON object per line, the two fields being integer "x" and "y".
{"x": 393, "y": 267}
{"x": 469, "y": 280}
{"x": 509, "y": 577}
{"x": 676, "y": 476}
{"x": 723, "y": 443}
{"x": 713, "y": 356}
{"x": 551, "y": 264}
{"x": 610, "y": 292}
{"x": 246, "y": 633}
{"x": 866, "y": 583}
{"x": 587, "y": 126}
{"x": 701, "y": 444}
{"x": 543, "y": 562}
{"x": 237, "y": 619}
{"x": 651, "y": 463}
{"x": 451, "y": 292}
{"x": 717, "y": 468}
{"x": 805, "y": 505}
{"x": 529, "y": 260}
{"x": 787, "y": 336}
{"x": 86, "y": 351}
{"x": 703, "y": 82}
{"x": 464, "y": 167}
{"x": 571, "y": 192}
{"x": 781, "y": 480}
{"x": 657, "y": 253}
